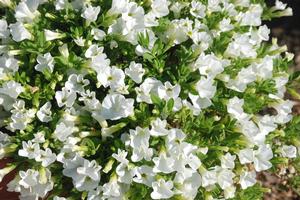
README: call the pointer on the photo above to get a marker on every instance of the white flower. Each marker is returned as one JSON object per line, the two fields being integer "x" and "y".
{"x": 139, "y": 137}
{"x": 162, "y": 189}
{"x": 210, "y": 65}
{"x": 12, "y": 89}
{"x": 235, "y": 109}
{"x": 246, "y": 156}
{"x": 65, "y": 97}
{"x": 4, "y": 32}
{"x": 19, "y": 32}
{"x": 112, "y": 189}
{"x": 144, "y": 174}
{"x": 247, "y": 179}
{"x": 63, "y": 130}
{"x": 39, "y": 184}
{"x": 288, "y": 151}
{"x": 121, "y": 156}
{"x": 284, "y": 110}
{"x": 229, "y": 192}
{"x": 64, "y": 50}
{"x": 90, "y": 100}
{"x": 135, "y": 72}
{"x": 26, "y": 10}
{"x": 163, "y": 164}
{"x": 141, "y": 152}
{"x": 60, "y": 4}
{"x": 28, "y": 178}
{"x": 148, "y": 87}
{"x": 113, "y": 77}
{"x": 188, "y": 183}
{"x": 44, "y": 113}
{"x": 76, "y": 83}
{"x": 279, "y": 5}
{"x": 51, "y": 35}
{"x": 46, "y": 63}
{"x": 8, "y": 64}
{"x": 225, "y": 25}
{"x": 227, "y": 161}
{"x": 158, "y": 128}
{"x": 125, "y": 173}
{"x": 209, "y": 178}
{"x": 93, "y": 51}
{"x": 116, "y": 106}
{"x": 244, "y": 77}
{"x": 241, "y": 46}
{"x": 160, "y": 8}
{"x": 39, "y": 137}
{"x": 20, "y": 116}
{"x": 198, "y": 9}
{"x": 90, "y": 13}
{"x": 198, "y": 103}
{"x": 80, "y": 41}
{"x": 98, "y": 34}
{"x": 168, "y": 91}
{"x": 251, "y": 17}
{"x": 88, "y": 176}
{"x": 262, "y": 158}
{"x": 30, "y": 150}
{"x": 205, "y": 88}
{"x": 46, "y": 157}
{"x": 225, "y": 177}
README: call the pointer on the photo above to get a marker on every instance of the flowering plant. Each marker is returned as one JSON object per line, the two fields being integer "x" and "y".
{"x": 154, "y": 99}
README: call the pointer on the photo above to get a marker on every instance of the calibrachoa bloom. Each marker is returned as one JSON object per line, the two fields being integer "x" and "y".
{"x": 148, "y": 99}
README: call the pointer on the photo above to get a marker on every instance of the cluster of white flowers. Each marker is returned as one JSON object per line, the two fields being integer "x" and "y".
{"x": 152, "y": 99}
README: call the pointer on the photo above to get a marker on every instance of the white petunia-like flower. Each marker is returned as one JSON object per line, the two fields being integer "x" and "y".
{"x": 93, "y": 51}
{"x": 251, "y": 17}
{"x": 262, "y": 158}
{"x": 19, "y": 32}
{"x": 162, "y": 189}
{"x": 44, "y": 113}
{"x": 116, "y": 106}
{"x": 158, "y": 128}
{"x": 39, "y": 184}
{"x": 163, "y": 164}
{"x": 98, "y": 34}
{"x": 46, "y": 157}
{"x": 63, "y": 130}
{"x": 76, "y": 83}
{"x": 121, "y": 156}
{"x": 88, "y": 176}
{"x": 80, "y": 41}
{"x": 26, "y": 10}
{"x": 90, "y": 13}
{"x": 206, "y": 88}
{"x": 45, "y": 63}
{"x": 160, "y": 8}
{"x": 168, "y": 91}
{"x": 65, "y": 97}
{"x": 247, "y": 179}
{"x": 144, "y": 174}
{"x": 197, "y": 9}
{"x": 30, "y": 150}
{"x": 227, "y": 161}
{"x": 288, "y": 151}
{"x": 12, "y": 89}
{"x": 135, "y": 72}
{"x": 4, "y": 32}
